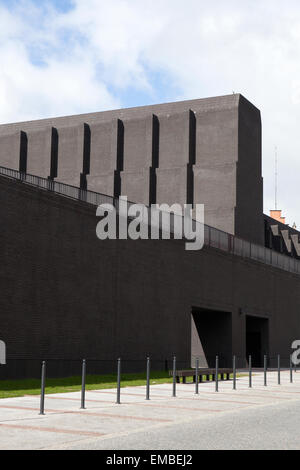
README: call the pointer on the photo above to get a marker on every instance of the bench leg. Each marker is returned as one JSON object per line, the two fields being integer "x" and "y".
{"x": 213, "y": 377}
{"x": 177, "y": 379}
{"x": 222, "y": 376}
{"x": 184, "y": 380}
{"x": 194, "y": 379}
{"x": 228, "y": 376}
{"x": 207, "y": 378}
{"x": 200, "y": 379}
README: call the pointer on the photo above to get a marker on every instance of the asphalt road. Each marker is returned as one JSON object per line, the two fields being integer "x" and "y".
{"x": 268, "y": 427}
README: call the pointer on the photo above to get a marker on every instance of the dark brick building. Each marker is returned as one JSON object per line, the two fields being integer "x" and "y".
{"x": 66, "y": 294}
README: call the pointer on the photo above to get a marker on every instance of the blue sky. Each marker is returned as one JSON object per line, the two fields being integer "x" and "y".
{"x": 60, "y": 5}
{"x": 61, "y": 57}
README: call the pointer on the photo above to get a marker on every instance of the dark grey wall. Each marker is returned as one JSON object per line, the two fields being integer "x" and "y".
{"x": 66, "y": 294}
{"x": 202, "y": 151}
{"x": 249, "y": 190}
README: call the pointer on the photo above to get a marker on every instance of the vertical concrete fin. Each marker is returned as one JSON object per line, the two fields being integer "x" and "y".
{"x": 54, "y": 153}
{"x": 102, "y": 163}
{"x": 275, "y": 230}
{"x": 39, "y": 151}
{"x": 248, "y": 212}
{"x": 174, "y": 158}
{"x": 86, "y": 149}
{"x": 23, "y": 152}
{"x": 117, "y": 150}
{"x": 295, "y": 240}
{"x": 287, "y": 241}
{"x": 70, "y": 154}
{"x": 155, "y": 142}
{"x": 86, "y": 155}
{"x": 154, "y": 160}
{"x": 120, "y": 146}
{"x": 192, "y": 158}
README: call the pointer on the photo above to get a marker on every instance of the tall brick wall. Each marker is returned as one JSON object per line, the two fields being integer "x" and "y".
{"x": 66, "y": 294}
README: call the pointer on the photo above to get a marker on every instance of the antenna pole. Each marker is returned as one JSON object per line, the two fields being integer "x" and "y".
{"x": 276, "y": 176}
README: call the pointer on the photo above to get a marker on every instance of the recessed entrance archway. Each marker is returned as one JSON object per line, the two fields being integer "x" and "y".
{"x": 257, "y": 332}
{"x": 211, "y": 335}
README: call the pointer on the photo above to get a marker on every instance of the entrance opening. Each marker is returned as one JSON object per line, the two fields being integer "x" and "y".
{"x": 256, "y": 339}
{"x": 211, "y": 336}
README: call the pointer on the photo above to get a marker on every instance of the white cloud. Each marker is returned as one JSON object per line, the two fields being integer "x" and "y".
{"x": 62, "y": 81}
{"x": 203, "y": 50}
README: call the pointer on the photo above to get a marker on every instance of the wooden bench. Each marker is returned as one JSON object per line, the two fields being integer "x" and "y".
{"x": 201, "y": 373}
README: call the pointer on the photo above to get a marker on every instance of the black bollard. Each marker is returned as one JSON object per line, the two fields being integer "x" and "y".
{"x": 217, "y": 374}
{"x": 234, "y": 372}
{"x": 83, "y": 385}
{"x": 43, "y": 382}
{"x": 250, "y": 372}
{"x": 197, "y": 377}
{"x": 148, "y": 379}
{"x": 174, "y": 376}
{"x": 119, "y": 382}
{"x": 265, "y": 370}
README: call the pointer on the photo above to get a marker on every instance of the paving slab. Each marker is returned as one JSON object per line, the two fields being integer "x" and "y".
{"x": 107, "y": 425}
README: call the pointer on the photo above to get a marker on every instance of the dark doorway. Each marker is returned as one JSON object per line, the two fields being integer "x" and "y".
{"x": 256, "y": 339}
{"x": 211, "y": 336}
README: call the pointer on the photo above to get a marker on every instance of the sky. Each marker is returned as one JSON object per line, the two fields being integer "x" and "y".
{"x": 61, "y": 57}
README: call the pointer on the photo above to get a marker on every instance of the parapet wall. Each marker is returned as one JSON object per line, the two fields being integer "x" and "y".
{"x": 202, "y": 151}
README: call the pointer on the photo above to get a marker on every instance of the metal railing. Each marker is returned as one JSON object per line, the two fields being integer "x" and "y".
{"x": 63, "y": 189}
{"x": 213, "y": 237}
{"x": 224, "y": 241}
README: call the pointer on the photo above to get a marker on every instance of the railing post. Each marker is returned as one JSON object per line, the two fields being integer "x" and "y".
{"x": 197, "y": 377}
{"x": 250, "y": 372}
{"x": 43, "y": 382}
{"x": 119, "y": 382}
{"x": 265, "y": 370}
{"x": 234, "y": 372}
{"x": 83, "y": 385}
{"x": 291, "y": 370}
{"x": 278, "y": 360}
{"x": 148, "y": 379}
{"x": 174, "y": 376}
{"x": 217, "y": 374}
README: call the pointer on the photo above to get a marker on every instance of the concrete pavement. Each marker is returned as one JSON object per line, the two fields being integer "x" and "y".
{"x": 248, "y": 418}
